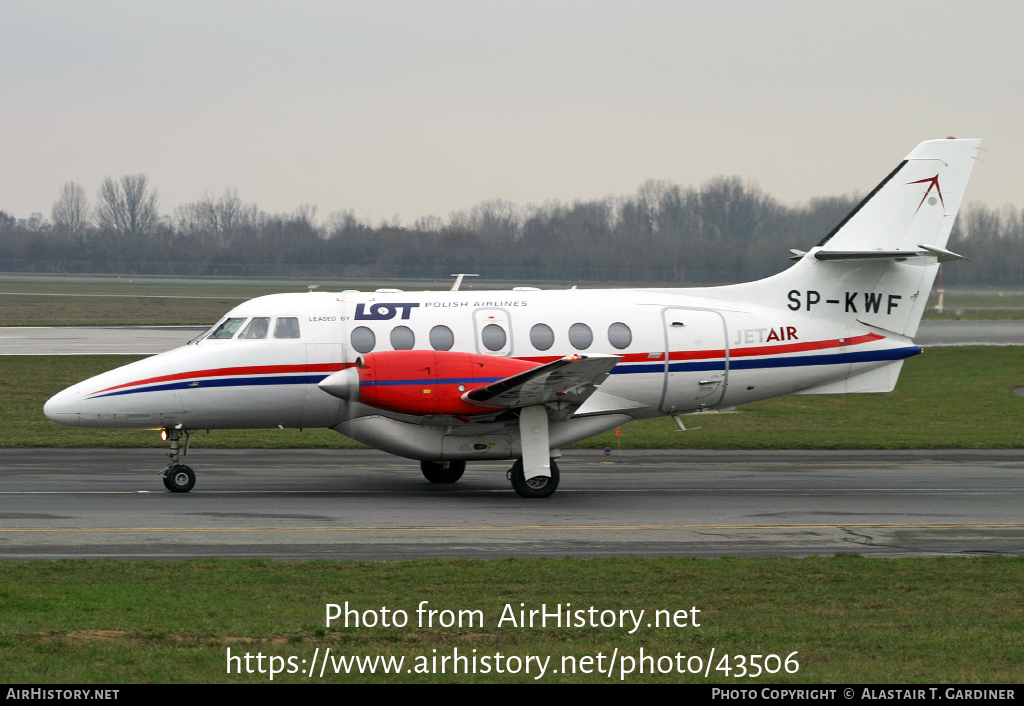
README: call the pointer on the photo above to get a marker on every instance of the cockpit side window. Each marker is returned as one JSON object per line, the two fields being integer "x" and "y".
{"x": 286, "y": 327}
{"x": 256, "y": 329}
{"x": 228, "y": 328}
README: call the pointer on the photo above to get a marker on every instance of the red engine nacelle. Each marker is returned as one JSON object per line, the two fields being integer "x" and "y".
{"x": 430, "y": 382}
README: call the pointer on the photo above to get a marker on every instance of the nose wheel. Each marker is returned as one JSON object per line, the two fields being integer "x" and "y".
{"x": 536, "y": 487}
{"x": 178, "y": 478}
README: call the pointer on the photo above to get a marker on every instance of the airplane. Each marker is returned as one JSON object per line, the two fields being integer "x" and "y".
{"x": 446, "y": 377}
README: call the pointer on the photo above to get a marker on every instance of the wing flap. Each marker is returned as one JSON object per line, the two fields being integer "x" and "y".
{"x": 569, "y": 379}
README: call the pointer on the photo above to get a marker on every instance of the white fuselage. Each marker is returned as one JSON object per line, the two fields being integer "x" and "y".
{"x": 680, "y": 353}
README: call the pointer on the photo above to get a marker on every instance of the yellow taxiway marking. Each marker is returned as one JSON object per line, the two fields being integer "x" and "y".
{"x": 521, "y": 528}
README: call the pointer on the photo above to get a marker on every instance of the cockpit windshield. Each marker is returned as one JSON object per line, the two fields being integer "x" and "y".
{"x": 227, "y": 329}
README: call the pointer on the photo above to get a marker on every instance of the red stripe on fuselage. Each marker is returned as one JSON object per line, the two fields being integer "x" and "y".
{"x": 246, "y": 370}
{"x": 771, "y": 350}
{"x": 735, "y": 352}
{"x": 628, "y": 358}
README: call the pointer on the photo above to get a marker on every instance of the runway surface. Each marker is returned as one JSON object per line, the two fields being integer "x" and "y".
{"x": 971, "y": 333}
{"x": 147, "y": 340}
{"x": 57, "y": 503}
{"x": 94, "y": 340}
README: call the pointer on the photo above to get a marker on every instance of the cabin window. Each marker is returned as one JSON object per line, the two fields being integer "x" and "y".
{"x": 228, "y": 328}
{"x": 493, "y": 337}
{"x": 619, "y": 335}
{"x": 256, "y": 329}
{"x": 441, "y": 338}
{"x": 542, "y": 337}
{"x": 286, "y": 327}
{"x": 580, "y": 336}
{"x": 402, "y": 338}
{"x": 363, "y": 339}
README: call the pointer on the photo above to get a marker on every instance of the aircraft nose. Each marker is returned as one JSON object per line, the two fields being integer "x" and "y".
{"x": 64, "y": 407}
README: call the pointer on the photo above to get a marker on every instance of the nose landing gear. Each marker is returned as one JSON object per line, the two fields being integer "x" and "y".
{"x": 178, "y": 478}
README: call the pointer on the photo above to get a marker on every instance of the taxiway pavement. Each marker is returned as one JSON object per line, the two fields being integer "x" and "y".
{"x": 301, "y": 504}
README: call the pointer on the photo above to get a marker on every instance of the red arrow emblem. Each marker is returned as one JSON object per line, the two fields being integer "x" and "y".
{"x": 932, "y": 182}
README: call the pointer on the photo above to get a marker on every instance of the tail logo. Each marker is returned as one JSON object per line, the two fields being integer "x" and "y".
{"x": 932, "y": 182}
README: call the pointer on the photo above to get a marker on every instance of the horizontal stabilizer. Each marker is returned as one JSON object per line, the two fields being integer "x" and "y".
{"x": 553, "y": 382}
{"x": 928, "y": 255}
{"x": 943, "y": 254}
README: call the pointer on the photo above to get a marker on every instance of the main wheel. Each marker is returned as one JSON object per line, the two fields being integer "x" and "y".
{"x": 536, "y": 487}
{"x": 442, "y": 471}
{"x": 179, "y": 479}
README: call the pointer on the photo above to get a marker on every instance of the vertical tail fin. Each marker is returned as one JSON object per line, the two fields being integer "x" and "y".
{"x": 877, "y": 266}
{"x": 915, "y": 205}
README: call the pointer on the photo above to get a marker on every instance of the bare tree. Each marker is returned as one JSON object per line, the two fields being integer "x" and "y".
{"x": 71, "y": 209}
{"x": 216, "y": 216}
{"x": 231, "y": 213}
{"x": 306, "y": 215}
{"x": 128, "y": 207}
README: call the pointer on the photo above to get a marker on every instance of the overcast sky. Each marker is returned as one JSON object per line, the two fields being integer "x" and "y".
{"x": 421, "y": 108}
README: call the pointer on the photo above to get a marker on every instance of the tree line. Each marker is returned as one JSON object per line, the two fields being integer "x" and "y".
{"x": 724, "y": 230}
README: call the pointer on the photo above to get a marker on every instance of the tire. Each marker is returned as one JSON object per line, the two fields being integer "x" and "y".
{"x": 179, "y": 479}
{"x": 536, "y": 487}
{"x": 442, "y": 471}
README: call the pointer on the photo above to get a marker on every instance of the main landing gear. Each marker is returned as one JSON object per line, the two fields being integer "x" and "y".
{"x": 451, "y": 471}
{"x": 536, "y": 487}
{"x": 177, "y": 477}
{"x": 442, "y": 471}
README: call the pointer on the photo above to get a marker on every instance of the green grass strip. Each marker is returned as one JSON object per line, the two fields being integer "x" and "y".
{"x": 850, "y": 619}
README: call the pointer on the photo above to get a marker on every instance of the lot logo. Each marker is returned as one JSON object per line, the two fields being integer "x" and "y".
{"x": 383, "y": 312}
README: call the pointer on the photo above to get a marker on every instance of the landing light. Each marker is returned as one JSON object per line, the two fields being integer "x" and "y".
{"x": 163, "y": 435}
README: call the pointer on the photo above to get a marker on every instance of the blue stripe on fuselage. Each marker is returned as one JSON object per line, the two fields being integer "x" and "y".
{"x": 626, "y": 369}
{"x": 222, "y": 382}
{"x": 759, "y": 363}
{"x": 428, "y": 381}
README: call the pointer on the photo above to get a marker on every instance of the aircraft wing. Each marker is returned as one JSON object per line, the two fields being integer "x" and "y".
{"x": 568, "y": 381}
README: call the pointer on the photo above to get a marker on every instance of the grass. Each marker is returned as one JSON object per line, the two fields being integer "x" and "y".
{"x": 850, "y": 619}
{"x": 120, "y": 301}
{"x": 26, "y": 382}
{"x": 945, "y": 398}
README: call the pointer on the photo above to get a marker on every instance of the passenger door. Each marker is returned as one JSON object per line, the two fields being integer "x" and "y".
{"x": 696, "y": 359}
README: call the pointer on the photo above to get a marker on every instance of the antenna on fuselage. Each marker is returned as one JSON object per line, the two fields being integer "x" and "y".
{"x": 458, "y": 280}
